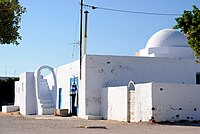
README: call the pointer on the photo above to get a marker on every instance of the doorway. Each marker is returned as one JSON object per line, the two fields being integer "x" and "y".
{"x": 197, "y": 78}
{"x": 74, "y": 96}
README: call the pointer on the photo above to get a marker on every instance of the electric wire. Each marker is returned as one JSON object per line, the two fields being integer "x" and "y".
{"x": 75, "y": 40}
{"x": 129, "y": 11}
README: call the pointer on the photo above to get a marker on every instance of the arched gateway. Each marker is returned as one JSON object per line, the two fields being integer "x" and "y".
{"x": 46, "y": 97}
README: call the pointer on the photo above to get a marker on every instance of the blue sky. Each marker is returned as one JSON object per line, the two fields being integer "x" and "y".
{"x": 49, "y": 26}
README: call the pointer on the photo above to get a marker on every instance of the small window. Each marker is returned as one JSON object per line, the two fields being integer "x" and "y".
{"x": 197, "y": 78}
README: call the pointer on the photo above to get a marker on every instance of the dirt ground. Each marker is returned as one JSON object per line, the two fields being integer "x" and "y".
{"x": 17, "y": 124}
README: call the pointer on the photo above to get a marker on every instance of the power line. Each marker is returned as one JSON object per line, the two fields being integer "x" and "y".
{"x": 128, "y": 11}
{"x": 75, "y": 43}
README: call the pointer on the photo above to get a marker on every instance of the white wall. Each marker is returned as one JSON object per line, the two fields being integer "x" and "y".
{"x": 25, "y": 94}
{"x": 105, "y": 71}
{"x": 167, "y": 102}
{"x": 175, "y": 102}
{"x": 63, "y": 75}
{"x": 114, "y": 104}
{"x": 18, "y": 94}
{"x": 82, "y": 91}
{"x": 30, "y": 93}
{"x": 100, "y": 71}
{"x": 143, "y": 102}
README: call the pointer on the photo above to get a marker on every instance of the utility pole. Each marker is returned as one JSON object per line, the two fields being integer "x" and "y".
{"x": 81, "y": 23}
{"x": 85, "y": 33}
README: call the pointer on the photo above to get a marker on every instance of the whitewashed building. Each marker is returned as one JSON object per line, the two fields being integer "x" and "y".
{"x": 165, "y": 76}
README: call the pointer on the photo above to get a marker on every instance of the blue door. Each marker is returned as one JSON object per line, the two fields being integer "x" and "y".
{"x": 60, "y": 98}
{"x": 74, "y": 96}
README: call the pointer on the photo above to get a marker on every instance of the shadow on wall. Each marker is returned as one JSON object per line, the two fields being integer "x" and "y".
{"x": 7, "y": 89}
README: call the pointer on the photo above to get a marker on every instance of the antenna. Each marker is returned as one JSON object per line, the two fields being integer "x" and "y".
{"x": 74, "y": 43}
{"x": 14, "y": 73}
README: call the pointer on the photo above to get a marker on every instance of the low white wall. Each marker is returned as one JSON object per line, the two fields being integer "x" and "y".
{"x": 114, "y": 103}
{"x": 143, "y": 102}
{"x": 7, "y": 109}
{"x": 167, "y": 102}
{"x": 175, "y": 102}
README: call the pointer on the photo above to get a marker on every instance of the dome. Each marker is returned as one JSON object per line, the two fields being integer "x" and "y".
{"x": 167, "y": 38}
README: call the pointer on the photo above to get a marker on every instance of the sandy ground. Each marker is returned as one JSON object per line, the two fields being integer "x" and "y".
{"x": 17, "y": 124}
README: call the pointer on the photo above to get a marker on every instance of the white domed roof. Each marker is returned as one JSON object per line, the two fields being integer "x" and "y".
{"x": 167, "y": 38}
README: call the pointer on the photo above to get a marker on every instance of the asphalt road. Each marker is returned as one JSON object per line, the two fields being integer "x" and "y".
{"x": 15, "y": 124}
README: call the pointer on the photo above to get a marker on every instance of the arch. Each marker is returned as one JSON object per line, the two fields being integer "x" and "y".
{"x": 129, "y": 99}
{"x": 129, "y": 84}
{"x": 37, "y": 85}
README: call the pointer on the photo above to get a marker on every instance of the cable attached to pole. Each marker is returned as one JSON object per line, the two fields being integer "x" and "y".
{"x": 128, "y": 11}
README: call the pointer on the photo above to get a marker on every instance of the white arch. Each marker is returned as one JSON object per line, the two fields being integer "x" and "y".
{"x": 37, "y": 85}
{"x": 129, "y": 84}
{"x": 128, "y": 99}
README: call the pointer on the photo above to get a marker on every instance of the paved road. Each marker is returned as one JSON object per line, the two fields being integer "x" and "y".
{"x": 10, "y": 124}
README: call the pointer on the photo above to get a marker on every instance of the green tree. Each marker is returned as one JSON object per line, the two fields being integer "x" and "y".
{"x": 10, "y": 17}
{"x": 189, "y": 24}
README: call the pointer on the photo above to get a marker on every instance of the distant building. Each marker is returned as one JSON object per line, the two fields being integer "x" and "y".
{"x": 165, "y": 76}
